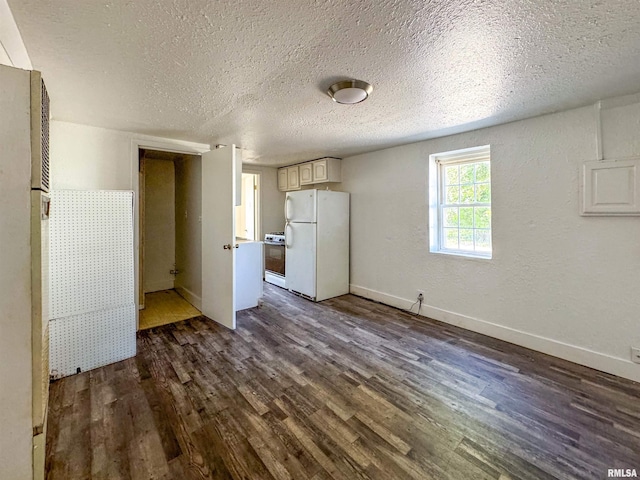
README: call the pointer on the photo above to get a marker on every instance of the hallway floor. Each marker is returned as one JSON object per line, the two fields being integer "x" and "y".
{"x": 164, "y": 307}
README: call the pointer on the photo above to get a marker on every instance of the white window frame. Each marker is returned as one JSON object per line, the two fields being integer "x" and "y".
{"x": 437, "y": 162}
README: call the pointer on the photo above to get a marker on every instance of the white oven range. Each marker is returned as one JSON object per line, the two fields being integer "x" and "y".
{"x": 274, "y": 259}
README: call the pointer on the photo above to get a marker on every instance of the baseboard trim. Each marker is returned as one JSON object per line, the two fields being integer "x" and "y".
{"x": 589, "y": 358}
{"x": 159, "y": 286}
{"x": 190, "y": 297}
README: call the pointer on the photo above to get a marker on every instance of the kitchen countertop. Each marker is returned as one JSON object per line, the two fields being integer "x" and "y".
{"x": 244, "y": 240}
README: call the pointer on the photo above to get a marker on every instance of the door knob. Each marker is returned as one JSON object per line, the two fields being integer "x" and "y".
{"x": 228, "y": 246}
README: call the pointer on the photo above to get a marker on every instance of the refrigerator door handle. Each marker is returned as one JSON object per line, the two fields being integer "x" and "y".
{"x": 287, "y": 236}
{"x": 286, "y": 209}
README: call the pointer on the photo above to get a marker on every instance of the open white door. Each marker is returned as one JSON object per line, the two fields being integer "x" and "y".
{"x": 218, "y": 235}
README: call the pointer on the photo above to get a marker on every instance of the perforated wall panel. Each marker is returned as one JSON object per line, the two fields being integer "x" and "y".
{"x": 91, "y": 251}
{"x": 91, "y": 340}
{"x": 93, "y": 316}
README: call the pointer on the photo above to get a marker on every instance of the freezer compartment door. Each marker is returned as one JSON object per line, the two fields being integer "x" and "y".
{"x": 301, "y": 258}
{"x": 300, "y": 207}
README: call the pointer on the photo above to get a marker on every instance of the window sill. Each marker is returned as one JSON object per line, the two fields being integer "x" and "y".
{"x": 463, "y": 254}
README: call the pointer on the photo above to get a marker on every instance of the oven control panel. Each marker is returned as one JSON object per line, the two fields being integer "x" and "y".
{"x": 274, "y": 238}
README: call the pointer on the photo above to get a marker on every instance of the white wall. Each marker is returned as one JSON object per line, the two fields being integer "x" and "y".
{"x": 92, "y": 158}
{"x": 15, "y": 275}
{"x": 12, "y": 50}
{"x": 189, "y": 228}
{"x": 558, "y": 282}
{"x": 159, "y": 225}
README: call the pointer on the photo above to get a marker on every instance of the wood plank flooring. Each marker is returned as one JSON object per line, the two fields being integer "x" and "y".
{"x": 347, "y": 389}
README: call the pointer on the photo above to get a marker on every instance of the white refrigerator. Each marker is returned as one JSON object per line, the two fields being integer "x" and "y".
{"x": 317, "y": 243}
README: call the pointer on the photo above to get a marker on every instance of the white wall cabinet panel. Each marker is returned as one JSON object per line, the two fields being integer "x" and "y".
{"x": 320, "y": 173}
{"x": 282, "y": 179}
{"x": 91, "y": 279}
{"x": 611, "y": 188}
{"x": 327, "y": 170}
{"x": 288, "y": 178}
{"x": 293, "y": 178}
{"x": 306, "y": 174}
{"x": 322, "y": 170}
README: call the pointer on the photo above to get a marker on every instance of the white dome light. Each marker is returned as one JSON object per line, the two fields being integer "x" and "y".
{"x": 349, "y": 92}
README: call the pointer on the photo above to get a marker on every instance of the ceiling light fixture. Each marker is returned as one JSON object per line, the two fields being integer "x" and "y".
{"x": 349, "y": 92}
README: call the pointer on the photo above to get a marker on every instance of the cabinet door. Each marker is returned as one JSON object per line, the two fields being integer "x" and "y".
{"x": 320, "y": 173}
{"x": 306, "y": 174}
{"x": 293, "y": 178}
{"x": 282, "y": 179}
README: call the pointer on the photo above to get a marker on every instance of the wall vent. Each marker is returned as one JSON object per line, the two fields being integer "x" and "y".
{"x": 45, "y": 136}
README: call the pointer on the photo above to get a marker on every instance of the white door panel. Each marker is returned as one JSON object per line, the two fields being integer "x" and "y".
{"x": 218, "y": 231}
{"x": 300, "y": 207}
{"x": 301, "y": 258}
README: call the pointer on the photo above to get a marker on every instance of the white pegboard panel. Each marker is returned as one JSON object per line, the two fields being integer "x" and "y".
{"x": 91, "y": 256}
{"x": 92, "y": 340}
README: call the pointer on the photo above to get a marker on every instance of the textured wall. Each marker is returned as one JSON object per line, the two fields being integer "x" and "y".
{"x": 556, "y": 281}
{"x": 189, "y": 228}
{"x": 159, "y": 225}
{"x": 89, "y": 158}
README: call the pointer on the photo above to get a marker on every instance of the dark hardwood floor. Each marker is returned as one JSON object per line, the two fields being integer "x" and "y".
{"x": 347, "y": 389}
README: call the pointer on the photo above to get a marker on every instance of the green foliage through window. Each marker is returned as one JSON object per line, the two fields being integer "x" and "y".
{"x": 466, "y": 206}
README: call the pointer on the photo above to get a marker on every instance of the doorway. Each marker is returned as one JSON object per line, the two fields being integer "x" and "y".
{"x": 170, "y": 237}
{"x": 248, "y": 212}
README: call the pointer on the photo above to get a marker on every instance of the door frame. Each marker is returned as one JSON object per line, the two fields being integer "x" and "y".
{"x": 152, "y": 143}
{"x": 257, "y": 200}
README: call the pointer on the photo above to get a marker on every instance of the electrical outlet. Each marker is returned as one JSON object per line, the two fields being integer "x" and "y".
{"x": 420, "y": 295}
{"x": 635, "y": 354}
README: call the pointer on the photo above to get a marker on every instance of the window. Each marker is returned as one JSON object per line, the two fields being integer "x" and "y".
{"x": 460, "y": 202}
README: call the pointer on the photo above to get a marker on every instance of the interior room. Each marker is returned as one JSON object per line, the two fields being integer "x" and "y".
{"x": 319, "y": 240}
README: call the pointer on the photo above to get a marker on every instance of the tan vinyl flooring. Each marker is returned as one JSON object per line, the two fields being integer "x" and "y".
{"x": 164, "y": 307}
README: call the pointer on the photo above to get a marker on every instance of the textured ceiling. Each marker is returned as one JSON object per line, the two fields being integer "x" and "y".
{"x": 255, "y": 72}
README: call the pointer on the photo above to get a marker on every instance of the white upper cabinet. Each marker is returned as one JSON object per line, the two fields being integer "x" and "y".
{"x": 306, "y": 174}
{"x": 293, "y": 178}
{"x": 282, "y": 179}
{"x": 322, "y": 170}
{"x": 288, "y": 178}
{"x": 327, "y": 170}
